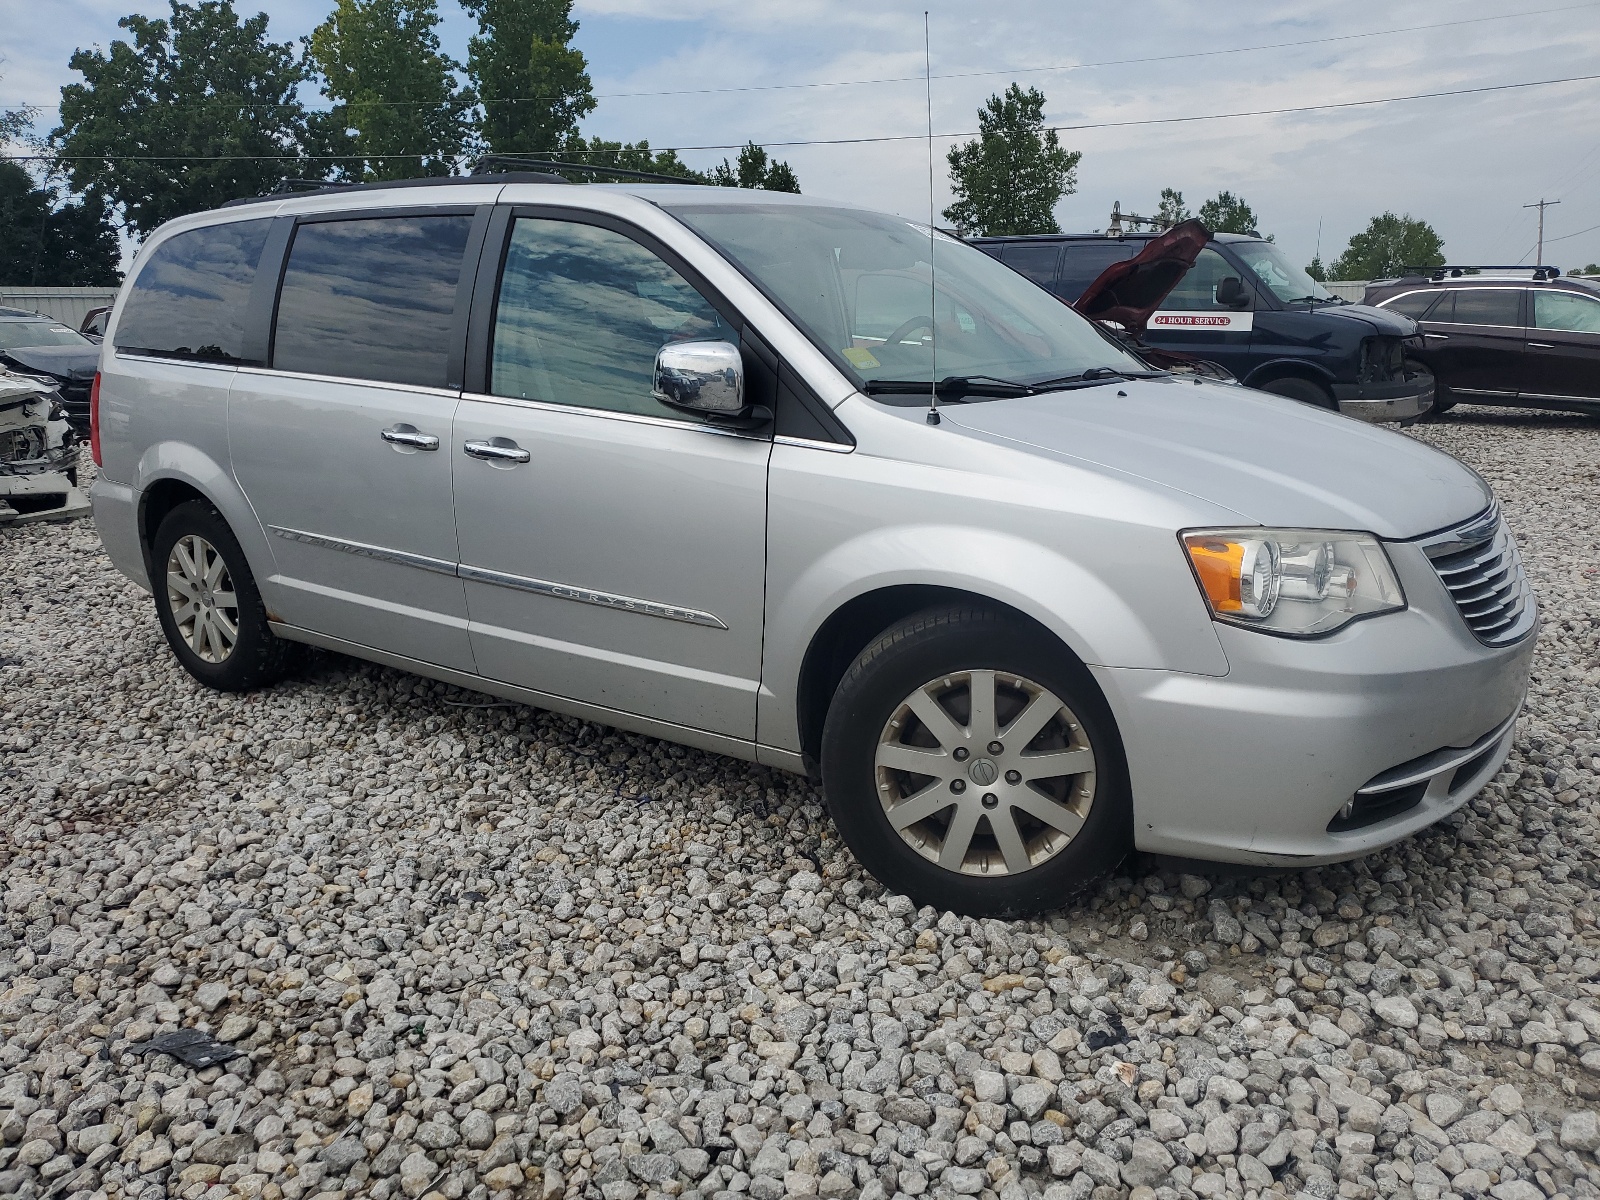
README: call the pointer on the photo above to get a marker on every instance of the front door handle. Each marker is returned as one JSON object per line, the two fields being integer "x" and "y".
{"x": 407, "y": 435}
{"x": 1440, "y": 337}
{"x": 499, "y": 450}
{"x": 1541, "y": 345}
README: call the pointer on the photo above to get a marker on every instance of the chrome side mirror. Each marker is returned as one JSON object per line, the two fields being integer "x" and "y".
{"x": 701, "y": 377}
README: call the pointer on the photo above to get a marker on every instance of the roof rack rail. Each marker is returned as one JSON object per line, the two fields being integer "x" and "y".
{"x": 488, "y": 164}
{"x": 289, "y": 186}
{"x": 1456, "y": 271}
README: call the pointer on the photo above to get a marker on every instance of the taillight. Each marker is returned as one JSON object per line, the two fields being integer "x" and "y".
{"x": 94, "y": 420}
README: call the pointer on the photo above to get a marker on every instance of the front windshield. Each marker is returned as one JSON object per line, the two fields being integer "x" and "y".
{"x": 16, "y": 334}
{"x": 857, "y": 284}
{"x": 1288, "y": 282}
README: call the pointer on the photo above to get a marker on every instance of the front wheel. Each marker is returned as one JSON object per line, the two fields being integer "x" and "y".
{"x": 1303, "y": 390}
{"x": 970, "y": 762}
{"x": 208, "y": 604}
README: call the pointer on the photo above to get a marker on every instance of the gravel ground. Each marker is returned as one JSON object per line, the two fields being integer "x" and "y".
{"x": 471, "y": 949}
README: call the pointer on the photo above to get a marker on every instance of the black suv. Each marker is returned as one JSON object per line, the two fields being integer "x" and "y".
{"x": 1519, "y": 336}
{"x": 1238, "y": 301}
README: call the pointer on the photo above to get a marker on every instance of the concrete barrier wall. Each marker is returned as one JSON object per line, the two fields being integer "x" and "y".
{"x": 69, "y": 305}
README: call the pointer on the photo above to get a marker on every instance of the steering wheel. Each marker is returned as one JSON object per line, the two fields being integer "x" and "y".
{"x": 895, "y": 338}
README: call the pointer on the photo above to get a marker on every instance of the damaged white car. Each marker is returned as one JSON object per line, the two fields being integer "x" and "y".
{"x": 38, "y": 454}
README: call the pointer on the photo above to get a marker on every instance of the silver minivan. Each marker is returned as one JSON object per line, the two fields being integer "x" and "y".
{"x": 815, "y": 487}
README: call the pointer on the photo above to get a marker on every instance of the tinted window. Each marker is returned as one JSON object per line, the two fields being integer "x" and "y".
{"x": 1482, "y": 306}
{"x": 1413, "y": 304}
{"x": 190, "y": 297}
{"x": 1036, "y": 261}
{"x": 1084, "y": 262}
{"x": 372, "y": 298}
{"x": 1566, "y": 311}
{"x": 581, "y": 314}
{"x": 1197, "y": 290}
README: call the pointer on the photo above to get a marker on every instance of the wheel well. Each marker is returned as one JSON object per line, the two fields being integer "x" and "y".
{"x": 160, "y": 498}
{"x": 845, "y": 634}
{"x": 1272, "y": 372}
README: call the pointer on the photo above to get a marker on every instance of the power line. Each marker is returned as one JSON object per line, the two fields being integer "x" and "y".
{"x": 1565, "y": 236}
{"x": 777, "y": 87}
{"x": 851, "y": 141}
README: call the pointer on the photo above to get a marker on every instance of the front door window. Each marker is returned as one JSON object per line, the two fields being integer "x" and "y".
{"x": 1197, "y": 290}
{"x": 583, "y": 311}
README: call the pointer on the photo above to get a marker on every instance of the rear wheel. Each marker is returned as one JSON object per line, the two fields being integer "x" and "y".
{"x": 208, "y": 604}
{"x": 1303, "y": 390}
{"x": 970, "y": 762}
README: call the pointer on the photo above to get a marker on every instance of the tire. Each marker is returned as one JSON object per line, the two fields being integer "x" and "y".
{"x": 933, "y": 662}
{"x": 195, "y": 556}
{"x": 1302, "y": 390}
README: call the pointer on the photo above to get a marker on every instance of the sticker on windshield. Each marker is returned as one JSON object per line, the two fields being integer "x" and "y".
{"x": 860, "y": 356}
{"x": 1202, "y": 322}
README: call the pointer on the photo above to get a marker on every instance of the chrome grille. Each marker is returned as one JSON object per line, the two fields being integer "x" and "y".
{"x": 1479, "y": 564}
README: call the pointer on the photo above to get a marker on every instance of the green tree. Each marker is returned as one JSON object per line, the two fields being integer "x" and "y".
{"x": 629, "y": 156}
{"x": 1172, "y": 209}
{"x": 1010, "y": 179}
{"x": 45, "y": 242}
{"x": 397, "y": 104}
{"x": 1387, "y": 246}
{"x": 533, "y": 85}
{"x": 1591, "y": 269}
{"x": 1316, "y": 269}
{"x": 756, "y": 170}
{"x": 198, "y": 110}
{"x": 1227, "y": 213}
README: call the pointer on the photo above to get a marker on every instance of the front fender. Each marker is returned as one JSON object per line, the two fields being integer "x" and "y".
{"x": 1279, "y": 368}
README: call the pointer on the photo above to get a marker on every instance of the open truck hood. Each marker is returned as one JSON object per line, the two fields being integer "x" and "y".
{"x": 1128, "y": 292}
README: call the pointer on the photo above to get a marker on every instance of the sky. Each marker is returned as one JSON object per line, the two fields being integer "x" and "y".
{"x": 1465, "y": 163}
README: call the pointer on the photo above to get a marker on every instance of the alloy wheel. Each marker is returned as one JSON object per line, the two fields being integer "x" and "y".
{"x": 985, "y": 772}
{"x": 205, "y": 608}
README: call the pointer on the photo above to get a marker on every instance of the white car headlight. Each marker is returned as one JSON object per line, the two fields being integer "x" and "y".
{"x": 1292, "y": 582}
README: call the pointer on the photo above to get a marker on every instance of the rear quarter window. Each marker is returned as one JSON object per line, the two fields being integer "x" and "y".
{"x": 190, "y": 296}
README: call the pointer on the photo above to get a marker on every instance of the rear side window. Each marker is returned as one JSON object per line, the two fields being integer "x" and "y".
{"x": 372, "y": 298}
{"x": 190, "y": 297}
{"x": 1481, "y": 306}
{"x": 1413, "y": 304}
{"x": 1083, "y": 263}
{"x": 1035, "y": 260}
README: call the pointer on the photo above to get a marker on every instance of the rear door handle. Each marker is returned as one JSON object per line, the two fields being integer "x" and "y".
{"x": 1541, "y": 345}
{"x": 1441, "y": 337}
{"x": 499, "y": 450}
{"x": 407, "y": 435}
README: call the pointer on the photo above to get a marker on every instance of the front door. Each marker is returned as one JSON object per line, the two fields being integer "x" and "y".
{"x": 613, "y": 550}
{"x": 343, "y": 445}
{"x": 1475, "y": 344}
{"x": 1192, "y": 321}
{"x": 1564, "y": 346}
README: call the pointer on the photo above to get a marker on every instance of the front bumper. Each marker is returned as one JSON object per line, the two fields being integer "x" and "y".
{"x": 1402, "y": 400}
{"x": 1310, "y": 752}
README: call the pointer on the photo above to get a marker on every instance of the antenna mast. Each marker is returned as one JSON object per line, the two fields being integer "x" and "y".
{"x": 933, "y": 237}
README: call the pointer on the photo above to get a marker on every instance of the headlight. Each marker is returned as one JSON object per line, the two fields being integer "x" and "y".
{"x": 1293, "y": 582}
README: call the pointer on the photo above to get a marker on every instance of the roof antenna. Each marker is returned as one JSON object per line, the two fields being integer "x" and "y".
{"x": 933, "y": 237}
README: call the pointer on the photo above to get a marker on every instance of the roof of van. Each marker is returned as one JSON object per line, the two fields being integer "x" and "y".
{"x": 1130, "y": 236}
{"x": 702, "y": 193}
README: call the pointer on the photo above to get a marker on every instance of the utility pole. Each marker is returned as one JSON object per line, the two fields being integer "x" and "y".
{"x": 1538, "y": 258}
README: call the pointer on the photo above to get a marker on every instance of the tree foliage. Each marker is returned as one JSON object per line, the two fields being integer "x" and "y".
{"x": 1387, "y": 246}
{"x": 1010, "y": 179}
{"x": 397, "y": 106}
{"x": 47, "y": 243}
{"x": 1227, "y": 213}
{"x": 1317, "y": 269}
{"x": 533, "y": 84}
{"x": 1172, "y": 210}
{"x": 756, "y": 170}
{"x": 628, "y": 156}
{"x": 199, "y": 109}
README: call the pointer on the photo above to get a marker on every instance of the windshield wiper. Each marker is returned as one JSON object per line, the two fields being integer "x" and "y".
{"x": 950, "y": 387}
{"x": 1093, "y": 377}
{"x": 1317, "y": 300}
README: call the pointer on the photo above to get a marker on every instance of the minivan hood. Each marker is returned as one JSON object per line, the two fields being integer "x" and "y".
{"x": 1273, "y": 461}
{"x": 70, "y": 363}
{"x": 1128, "y": 292}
